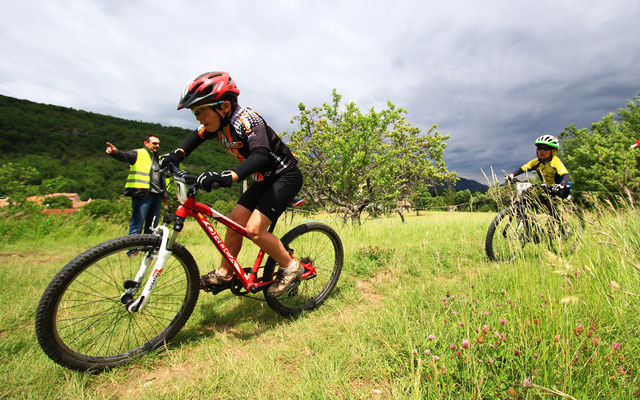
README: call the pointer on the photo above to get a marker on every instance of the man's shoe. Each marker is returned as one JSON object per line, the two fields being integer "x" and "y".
{"x": 285, "y": 277}
{"x": 213, "y": 279}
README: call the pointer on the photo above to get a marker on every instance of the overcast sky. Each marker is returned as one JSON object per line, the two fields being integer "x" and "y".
{"x": 492, "y": 74}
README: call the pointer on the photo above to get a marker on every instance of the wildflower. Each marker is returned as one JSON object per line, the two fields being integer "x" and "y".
{"x": 596, "y": 341}
{"x": 615, "y": 345}
{"x": 536, "y": 321}
{"x": 526, "y": 382}
{"x": 490, "y": 360}
{"x": 480, "y": 339}
{"x": 503, "y": 321}
{"x": 452, "y": 346}
{"x": 435, "y": 358}
{"x": 431, "y": 337}
{"x": 578, "y": 330}
{"x": 427, "y": 352}
{"x": 414, "y": 351}
{"x": 454, "y": 313}
{"x": 535, "y": 355}
{"x": 462, "y": 324}
{"x": 517, "y": 352}
{"x": 465, "y": 343}
{"x": 472, "y": 286}
{"x": 556, "y": 338}
{"x": 503, "y": 291}
{"x": 621, "y": 371}
{"x": 541, "y": 294}
{"x": 486, "y": 313}
{"x": 499, "y": 304}
{"x": 511, "y": 392}
{"x": 485, "y": 329}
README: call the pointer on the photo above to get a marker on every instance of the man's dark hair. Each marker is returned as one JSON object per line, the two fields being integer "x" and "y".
{"x": 150, "y": 136}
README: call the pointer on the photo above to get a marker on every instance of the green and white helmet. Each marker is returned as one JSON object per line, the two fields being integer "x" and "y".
{"x": 548, "y": 140}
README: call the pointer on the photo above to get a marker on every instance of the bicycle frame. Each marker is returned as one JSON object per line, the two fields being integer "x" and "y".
{"x": 189, "y": 207}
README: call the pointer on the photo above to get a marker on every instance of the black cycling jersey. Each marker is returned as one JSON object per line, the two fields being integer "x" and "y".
{"x": 248, "y": 135}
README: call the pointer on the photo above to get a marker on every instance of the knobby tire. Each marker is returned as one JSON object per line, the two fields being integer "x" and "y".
{"x": 81, "y": 322}
{"x": 314, "y": 243}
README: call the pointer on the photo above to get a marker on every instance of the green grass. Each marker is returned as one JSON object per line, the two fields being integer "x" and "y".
{"x": 419, "y": 312}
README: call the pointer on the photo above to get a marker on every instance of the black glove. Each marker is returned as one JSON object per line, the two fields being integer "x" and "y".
{"x": 175, "y": 158}
{"x": 556, "y": 188}
{"x": 212, "y": 180}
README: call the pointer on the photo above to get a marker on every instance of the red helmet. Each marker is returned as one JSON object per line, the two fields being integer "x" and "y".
{"x": 209, "y": 87}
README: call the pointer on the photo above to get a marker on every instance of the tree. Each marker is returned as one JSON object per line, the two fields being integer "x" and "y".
{"x": 18, "y": 182}
{"x": 599, "y": 159}
{"x": 352, "y": 160}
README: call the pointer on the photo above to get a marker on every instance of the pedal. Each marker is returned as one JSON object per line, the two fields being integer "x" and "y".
{"x": 215, "y": 289}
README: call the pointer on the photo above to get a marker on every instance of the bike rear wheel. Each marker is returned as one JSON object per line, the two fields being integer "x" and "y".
{"x": 567, "y": 229}
{"x": 314, "y": 244}
{"x": 81, "y": 322}
{"x": 505, "y": 237}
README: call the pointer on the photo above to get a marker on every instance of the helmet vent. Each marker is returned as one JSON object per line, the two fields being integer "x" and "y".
{"x": 205, "y": 91}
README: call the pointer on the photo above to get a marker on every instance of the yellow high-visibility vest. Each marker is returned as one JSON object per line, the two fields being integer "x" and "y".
{"x": 140, "y": 172}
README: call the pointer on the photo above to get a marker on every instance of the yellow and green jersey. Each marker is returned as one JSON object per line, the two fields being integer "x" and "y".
{"x": 550, "y": 172}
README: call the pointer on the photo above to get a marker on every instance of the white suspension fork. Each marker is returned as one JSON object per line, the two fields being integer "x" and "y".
{"x": 161, "y": 258}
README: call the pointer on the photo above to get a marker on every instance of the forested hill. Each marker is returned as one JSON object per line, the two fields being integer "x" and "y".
{"x": 66, "y": 148}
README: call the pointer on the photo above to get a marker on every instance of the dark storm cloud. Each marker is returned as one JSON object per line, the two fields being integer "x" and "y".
{"x": 493, "y": 75}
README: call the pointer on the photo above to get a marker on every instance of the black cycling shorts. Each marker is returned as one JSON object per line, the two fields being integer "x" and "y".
{"x": 271, "y": 197}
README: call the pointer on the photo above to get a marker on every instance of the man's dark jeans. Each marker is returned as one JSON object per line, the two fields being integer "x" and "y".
{"x": 145, "y": 211}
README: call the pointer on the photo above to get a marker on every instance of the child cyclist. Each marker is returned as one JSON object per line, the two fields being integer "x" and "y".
{"x": 548, "y": 166}
{"x": 212, "y": 97}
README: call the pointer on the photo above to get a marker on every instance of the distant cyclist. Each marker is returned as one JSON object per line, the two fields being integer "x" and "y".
{"x": 548, "y": 166}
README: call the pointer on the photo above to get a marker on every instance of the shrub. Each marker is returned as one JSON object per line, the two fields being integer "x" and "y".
{"x": 118, "y": 210}
{"x": 58, "y": 202}
{"x": 223, "y": 206}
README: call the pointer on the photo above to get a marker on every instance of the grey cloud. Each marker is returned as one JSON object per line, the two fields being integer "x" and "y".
{"x": 493, "y": 75}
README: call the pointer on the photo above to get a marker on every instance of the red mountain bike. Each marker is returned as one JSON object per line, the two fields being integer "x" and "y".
{"x": 128, "y": 296}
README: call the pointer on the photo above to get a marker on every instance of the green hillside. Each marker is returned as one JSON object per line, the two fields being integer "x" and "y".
{"x": 65, "y": 147}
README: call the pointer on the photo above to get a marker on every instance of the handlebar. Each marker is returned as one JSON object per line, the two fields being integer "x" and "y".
{"x": 173, "y": 170}
{"x": 182, "y": 176}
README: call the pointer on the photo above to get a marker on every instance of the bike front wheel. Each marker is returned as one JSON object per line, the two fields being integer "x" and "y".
{"x": 81, "y": 321}
{"x": 506, "y": 236}
{"x": 317, "y": 245}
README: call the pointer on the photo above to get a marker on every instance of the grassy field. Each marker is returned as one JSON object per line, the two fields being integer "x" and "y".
{"x": 419, "y": 313}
